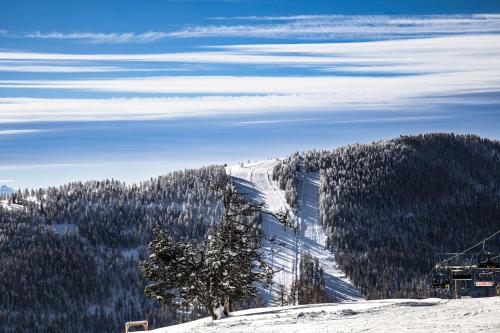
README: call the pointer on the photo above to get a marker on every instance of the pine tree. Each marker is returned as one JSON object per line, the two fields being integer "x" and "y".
{"x": 226, "y": 266}
{"x": 310, "y": 288}
{"x": 281, "y": 295}
{"x": 235, "y": 246}
{"x": 237, "y": 264}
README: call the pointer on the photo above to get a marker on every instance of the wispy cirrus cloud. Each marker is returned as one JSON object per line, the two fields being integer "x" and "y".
{"x": 275, "y": 95}
{"x": 125, "y": 37}
{"x": 92, "y": 37}
{"x": 301, "y": 27}
{"x": 20, "y": 131}
{"x": 457, "y": 54}
{"x": 344, "y": 27}
{"x": 16, "y": 110}
{"x": 426, "y": 55}
{"x": 419, "y": 72}
{"x": 22, "y": 68}
{"x": 356, "y": 89}
{"x": 70, "y": 66}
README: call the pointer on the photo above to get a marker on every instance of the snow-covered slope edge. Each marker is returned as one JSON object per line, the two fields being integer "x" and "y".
{"x": 255, "y": 180}
{"x": 389, "y": 315}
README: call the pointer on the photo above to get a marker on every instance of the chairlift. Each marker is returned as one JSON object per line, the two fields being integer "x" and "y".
{"x": 488, "y": 264}
{"x": 460, "y": 275}
{"x": 484, "y": 279}
{"x": 441, "y": 281}
{"x": 485, "y": 260}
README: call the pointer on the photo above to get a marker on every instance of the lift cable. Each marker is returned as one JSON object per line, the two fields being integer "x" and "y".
{"x": 458, "y": 254}
{"x": 470, "y": 248}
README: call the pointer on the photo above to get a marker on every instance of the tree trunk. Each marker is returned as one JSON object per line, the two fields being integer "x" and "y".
{"x": 210, "y": 309}
{"x": 228, "y": 306}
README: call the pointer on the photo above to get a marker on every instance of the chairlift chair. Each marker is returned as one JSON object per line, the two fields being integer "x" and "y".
{"x": 461, "y": 275}
{"x": 441, "y": 281}
{"x": 484, "y": 279}
{"x": 488, "y": 264}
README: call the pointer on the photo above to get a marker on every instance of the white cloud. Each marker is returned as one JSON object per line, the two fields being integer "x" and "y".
{"x": 307, "y": 27}
{"x": 431, "y": 66}
{"x": 62, "y": 66}
{"x": 59, "y": 69}
{"x": 273, "y": 121}
{"x": 92, "y": 37}
{"x": 20, "y": 131}
{"x": 346, "y": 27}
{"x": 39, "y": 109}
{"x": 100, "y": 37}
{"x": 420, "y": 73}
{"x": 344, "y": 95}
{"x": 415, "y": 55}
{"x": 376, "y": 88}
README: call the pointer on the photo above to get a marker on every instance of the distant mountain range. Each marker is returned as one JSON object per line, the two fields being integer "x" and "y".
{"x": 4, "y": 189}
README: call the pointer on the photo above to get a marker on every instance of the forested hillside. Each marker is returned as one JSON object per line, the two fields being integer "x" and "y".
{"x": 390, "y": 205}
{"x": 69, "y": 260}
{"x": 70, "y": 257}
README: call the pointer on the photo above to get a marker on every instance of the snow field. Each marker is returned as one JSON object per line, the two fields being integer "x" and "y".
{"x": 389, "y": 315}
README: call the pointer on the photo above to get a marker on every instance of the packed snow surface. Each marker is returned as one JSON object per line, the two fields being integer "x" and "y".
{"x": 255, "y": 180}
{"x": 389, "y": 315}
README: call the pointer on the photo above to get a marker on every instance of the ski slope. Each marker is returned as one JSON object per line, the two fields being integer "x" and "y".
{"x": 388, "y": 315}
{"x": 313, "y": 239}
{"x": 255, "y": 180}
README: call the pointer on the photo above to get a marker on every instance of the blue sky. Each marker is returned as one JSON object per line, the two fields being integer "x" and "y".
{"x": 133, "y": 89}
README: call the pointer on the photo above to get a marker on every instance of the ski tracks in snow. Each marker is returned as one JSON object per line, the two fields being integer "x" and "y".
{"x": 313, "y": 239}
{"x": 255, "y": 180}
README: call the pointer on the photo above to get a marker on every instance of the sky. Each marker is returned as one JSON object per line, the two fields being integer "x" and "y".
{"x": 130, "y": 89}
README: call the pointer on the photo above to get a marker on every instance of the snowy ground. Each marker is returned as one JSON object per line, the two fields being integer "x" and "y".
{"x": 5, "y": 205}
{"x": 255, "y": 180}
{"x": 390, "y": 315}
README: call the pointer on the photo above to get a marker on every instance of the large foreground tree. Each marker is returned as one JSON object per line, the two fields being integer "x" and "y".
{"x": 225, "y": 267}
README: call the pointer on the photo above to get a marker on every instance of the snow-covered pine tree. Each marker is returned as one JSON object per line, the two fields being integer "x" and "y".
{"x": 175, "y": 268}
{"x": 226, "y": 266}
{"x": 234, "y": 247}
{"x": 310, "y": 288}
{"x": 236, "y": 262}
{"x": 281, "y": 297}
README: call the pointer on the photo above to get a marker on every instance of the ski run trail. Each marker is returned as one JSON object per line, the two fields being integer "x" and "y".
{"x": 255, "y": 181}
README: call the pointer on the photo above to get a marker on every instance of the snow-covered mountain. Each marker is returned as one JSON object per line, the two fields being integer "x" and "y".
{"x": 378, "y": 202}
{"x": 387, "y": 315}
{"x": 255, "y": 180}
{"x": 4, "y": 189}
